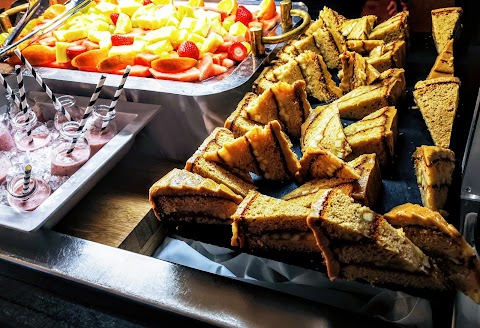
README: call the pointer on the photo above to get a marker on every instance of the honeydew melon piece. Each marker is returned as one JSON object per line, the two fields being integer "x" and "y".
{"x": 212, "y": 42}
{"x": 165, "y": 12}
{"x": 172, "y": 21}
{"x": 238, "y": 29}
{"x": 197, "y": 39}
{"x": 61, "y": 52}
{"x": 213, "y": 15}
{"x": 202, "y": 27}
{"x": 116, "y": 50}
{"x": 124, "y": 24}
{"x": 182, "y": 36}
{"x": 217, "y": 27}
{"x": 159, "y": 47}
{"x": 129, "y": 6}
{"x": 227, "y": 23}
{"x": 100, "y": 25}
{"x": 164, "y": 33}
{"x": 97, "y": 36}
{"x": 147, "y": 23}
{"x": 184, "y": 11}
{"x": 144, "y": 10}
{"x": 139, "y": 46}
{"x": 105, "y": 43}
{"x": 106, "y": 8}
{"x": 70, "y": 34}
{"x": 188, "y": 23}
{"x": 200, "y": 12}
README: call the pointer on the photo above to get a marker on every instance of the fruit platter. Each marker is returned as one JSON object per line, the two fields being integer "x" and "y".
{"x": 197, "y": 42}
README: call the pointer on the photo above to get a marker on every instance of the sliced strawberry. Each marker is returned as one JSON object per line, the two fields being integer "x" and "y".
{"x": 243, "y": 15}
{"x": 188, "y": 49}
{"x": 237, "y": 52}
{"x": 121, "y": 40}
{"x": 190, "y": 75}
{"x": 147, "y": 2}
{"x": 114, "y": 18}
{"x": 75, "y": 50}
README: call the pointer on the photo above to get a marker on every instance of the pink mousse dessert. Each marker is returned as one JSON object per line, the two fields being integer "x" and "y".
{"x": 64, "y": 164}
{"x": 37, "y": 193}
{"x": 97, "y": 139}
{"x": 6, "y": 141}
{"x": 4, "y": 167}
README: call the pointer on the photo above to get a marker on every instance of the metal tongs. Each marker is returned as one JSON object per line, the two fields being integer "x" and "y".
{"x": 37, "y": 8}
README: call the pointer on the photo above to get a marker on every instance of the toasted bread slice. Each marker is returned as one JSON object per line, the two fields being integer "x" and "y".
{"x": 446, "y": 24}
{"x": 440, "y": 240}
{"x": 434, "y": 168}
{"x": 438, "y": 102}
{"x": 443, "y": 66}
{"x": 323, "y": 129}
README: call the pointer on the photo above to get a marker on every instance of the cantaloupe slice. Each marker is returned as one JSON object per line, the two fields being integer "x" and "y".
{"x": 90, "y": 59}
{"x": 39, "y": 54}
{"x": 116, "y": 62}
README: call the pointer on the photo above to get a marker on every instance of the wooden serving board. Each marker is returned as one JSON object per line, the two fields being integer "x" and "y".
{"x": 116, "y": 212}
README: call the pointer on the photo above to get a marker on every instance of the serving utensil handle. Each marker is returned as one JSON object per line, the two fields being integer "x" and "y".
{"x": 286, "y": 14}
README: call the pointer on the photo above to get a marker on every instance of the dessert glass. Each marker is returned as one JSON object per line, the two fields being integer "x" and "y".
{"x": 38, "y": 191}
{"x": 70, "y": 105}
{"x": 64, "y": 164}
{"x": 40, "y": 136}
{"x": 4, "y": 167}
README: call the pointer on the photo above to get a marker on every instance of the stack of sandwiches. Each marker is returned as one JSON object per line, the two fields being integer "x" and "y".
{"x": 328, "y": 221}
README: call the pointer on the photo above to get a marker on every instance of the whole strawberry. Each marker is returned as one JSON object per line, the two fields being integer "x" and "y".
{"x": 243, "y": 15}
{"x": 188, "y": 49}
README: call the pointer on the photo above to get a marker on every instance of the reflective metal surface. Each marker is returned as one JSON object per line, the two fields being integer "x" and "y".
{"x": 233, "y": 78}
{"x": 209, "y": 298}
{"x": 130, "y": 120}
{"x": 471, "y": 160}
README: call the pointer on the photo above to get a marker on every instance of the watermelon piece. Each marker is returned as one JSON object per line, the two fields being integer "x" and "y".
{"x": 190, "y": 75}
{"x": 145, "y": 59}
{"x": 55, "y": 64}
{"x": 224, "y": 46}
{"x": 218, "y": 69}
{"x": 136, "y": 70}
{"x": 269, "y": 24}
{"x": 234, "y": 38}
{"x": 48, "y": 41}
{"x": 90, "y": 45}
{"x": 205, "y": 65}
{"x": 227, "y": 62}
{"x": 218, "y": 57}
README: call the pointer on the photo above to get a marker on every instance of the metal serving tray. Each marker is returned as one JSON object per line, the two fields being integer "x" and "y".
{"x": 131, "y": 118}
{"x": 231, "y": 79}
